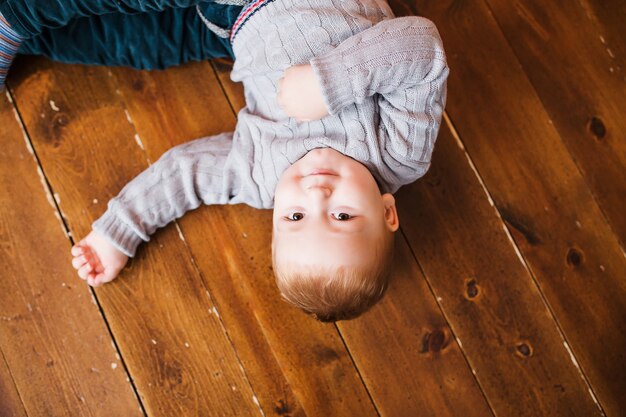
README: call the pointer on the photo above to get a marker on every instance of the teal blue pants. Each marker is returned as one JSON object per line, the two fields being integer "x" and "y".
{"x": 143, "y": 34}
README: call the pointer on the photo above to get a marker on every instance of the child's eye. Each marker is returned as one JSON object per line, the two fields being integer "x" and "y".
{"x": 294, "y": 217}
{"x": 342, "y": 216}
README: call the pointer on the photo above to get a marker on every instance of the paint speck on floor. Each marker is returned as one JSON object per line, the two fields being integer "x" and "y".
{"x": 138, "y": 140}
{"x": 180, "y": 233}
{"x": 256, "y": 401}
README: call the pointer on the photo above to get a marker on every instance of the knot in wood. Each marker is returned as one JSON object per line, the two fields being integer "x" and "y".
{"x": 434, "y": 341}
{"x": 597, "y": 128}
{"x": 471, "y": 289}
{"x": 138, "y": 84}
{"x": 325, "y": 355}
{"x": 281, "y": 408}
{"x": 574, "y": 257}
{"x": 524, "y": 350}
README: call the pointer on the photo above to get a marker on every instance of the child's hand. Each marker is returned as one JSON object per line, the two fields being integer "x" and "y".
{"x": 96, "y": 260}
{"x": 300, "y": 95}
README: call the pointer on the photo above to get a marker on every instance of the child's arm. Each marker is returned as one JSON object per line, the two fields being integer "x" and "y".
{"x": 403, "y": 61}
{"x": 183, "y": 178}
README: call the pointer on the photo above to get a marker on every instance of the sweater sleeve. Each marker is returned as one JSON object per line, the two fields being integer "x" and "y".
{"x": 391, "y": 56}
{"x": 402, "y": 63}
{"x": 184, "y": 177}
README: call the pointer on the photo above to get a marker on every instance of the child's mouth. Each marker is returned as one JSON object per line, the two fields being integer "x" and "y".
{"x": 322, "y": 172}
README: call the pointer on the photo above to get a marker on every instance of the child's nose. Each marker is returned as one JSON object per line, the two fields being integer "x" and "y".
{"x": 319, "y": 190}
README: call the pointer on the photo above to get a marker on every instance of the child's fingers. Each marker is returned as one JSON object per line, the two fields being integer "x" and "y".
{"x": 94, "y": 260}
{"x": 96, "y": 279}
{"x": 91, "y": 279}
{"x": 79, "y": 261}
{"x": 84, "y": 270}
{"x": 101, "y": 278}
{"x": 77, "y": 250}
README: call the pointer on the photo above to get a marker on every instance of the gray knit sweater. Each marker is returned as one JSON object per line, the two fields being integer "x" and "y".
{"x": 383, "y": 80}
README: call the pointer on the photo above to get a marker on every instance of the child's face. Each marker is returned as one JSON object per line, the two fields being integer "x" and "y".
{"x": 328, "y": 210}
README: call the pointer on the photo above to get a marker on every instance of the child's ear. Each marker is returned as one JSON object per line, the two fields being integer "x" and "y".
{"x": 391, "y": 213}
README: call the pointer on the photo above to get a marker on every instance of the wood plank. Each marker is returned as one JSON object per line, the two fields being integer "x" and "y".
{"x": 407, "y": 353}
{"x": 10, "y": 402}
{"x": 488, "y": 296}
{"x": 296, "y": 365}
{"x": 608, "y": 17}
{"x": 557, "y": 224}
{"x": 174, "y": 346}
{"x": 569, "y": 55}
{"x": 405, "y": 340}
{"x": 42, "y": 339}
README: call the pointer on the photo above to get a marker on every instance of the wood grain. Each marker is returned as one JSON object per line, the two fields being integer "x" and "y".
{"x": 10, "y": 402}
{"x": 539, "y": 191}
{"x": 46, "y": 319}
{"x": 489, "y": 298}
{"x": 296, "y": 365}
{"x": 577, "y": 66}
{"x": 175, "y": 347}
{"x": 404, "y": 349}
{"x": 406, "y": 352}
{"x": 468, "y": 327}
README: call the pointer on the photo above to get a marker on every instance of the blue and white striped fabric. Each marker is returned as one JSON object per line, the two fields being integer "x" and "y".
{"x": 9, "y": 44}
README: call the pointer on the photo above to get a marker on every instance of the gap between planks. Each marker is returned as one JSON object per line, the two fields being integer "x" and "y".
{"x": 438, "y": 301}
{"x": 54, "y": 201}
{"x": 590, "y": 187}
{"x": 3, "y": 363}
{"x": 181, "y": 235}
{"x": 524, "y": 263}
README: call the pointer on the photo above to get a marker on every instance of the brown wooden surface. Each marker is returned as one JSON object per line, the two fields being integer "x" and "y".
{"x": 476, "y": 323}
{"x": 10, "y": 402}
{"x": 56, "y": 345}
{"x": 176, "y": 349}
{"x": 489, "y": 298}
{"x": 538, "y": 189}
{"x": 577, "y": 65}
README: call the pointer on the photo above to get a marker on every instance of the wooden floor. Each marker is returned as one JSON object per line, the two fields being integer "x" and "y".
{"x": 509, "y": 295}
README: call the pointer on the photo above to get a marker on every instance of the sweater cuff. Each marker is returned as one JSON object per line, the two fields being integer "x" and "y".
{"x": 120, "y": 235}
{"x": 334, "y": 81}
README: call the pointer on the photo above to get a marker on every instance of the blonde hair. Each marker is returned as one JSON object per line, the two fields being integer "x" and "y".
{"x": 343, "y": 293}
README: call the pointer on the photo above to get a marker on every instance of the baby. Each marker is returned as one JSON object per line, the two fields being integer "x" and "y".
{"x": 343, "y": 106}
